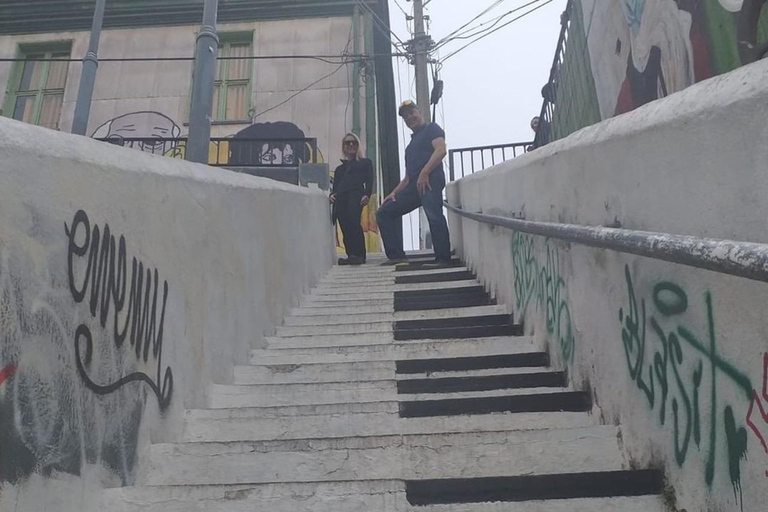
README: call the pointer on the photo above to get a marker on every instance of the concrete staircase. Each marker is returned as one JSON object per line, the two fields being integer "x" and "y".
{"x": 393, "y": 390}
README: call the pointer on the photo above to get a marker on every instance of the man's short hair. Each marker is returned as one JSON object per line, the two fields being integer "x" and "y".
{"x": 407, "y": 106}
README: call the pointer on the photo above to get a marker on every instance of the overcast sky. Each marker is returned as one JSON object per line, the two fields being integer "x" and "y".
{"x": 492, "y": 88}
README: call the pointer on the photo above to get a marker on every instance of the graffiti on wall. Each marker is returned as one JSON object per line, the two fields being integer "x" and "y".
{"x": 757, "y": 415}
{"x": 678, "y": 369}
{"x": 156, "y": 132}
{"x": 135, "y": 316}
{"x": 540, "y": 284}
{"x": 642, "y": 50}
{"x": 69, "y": 393}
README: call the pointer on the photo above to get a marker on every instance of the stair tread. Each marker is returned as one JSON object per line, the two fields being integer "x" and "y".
{"x": 411, "y": 457}
{"x": 371, "y": 496}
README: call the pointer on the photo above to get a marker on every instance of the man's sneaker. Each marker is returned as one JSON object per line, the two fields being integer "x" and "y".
{"x": 354, "y": 260}
{"x": 392, "y": 263}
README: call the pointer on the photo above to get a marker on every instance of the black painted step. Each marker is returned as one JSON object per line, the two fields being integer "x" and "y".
{"x": 416, "y": 266}
{"x": 485, "y": 383}
{"x": 455, "y": 333}
{"x": 459, "y": 321}
{"x": 427, "y": 255}
{"x": 443, "y": 292}
{"x": 458, "y": 364}
{"x": 535, "y": 487}
{"x": 442, "y": 277}
{"x": 570, "y": 401}
{"x": 448, "y": 303}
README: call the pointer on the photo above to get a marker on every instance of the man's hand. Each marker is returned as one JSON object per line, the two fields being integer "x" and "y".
{"x": 365, "y": 200}
{"x": 332, "y": 198}
{"x": 390, "y": 197}
{"x": 422, "y": 184}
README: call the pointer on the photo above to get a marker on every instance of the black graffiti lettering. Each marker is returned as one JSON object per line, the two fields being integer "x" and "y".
{"x": 106, "y": 275}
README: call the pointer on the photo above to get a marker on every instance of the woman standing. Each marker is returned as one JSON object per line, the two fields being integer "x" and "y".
{"x": 352, "y": 189}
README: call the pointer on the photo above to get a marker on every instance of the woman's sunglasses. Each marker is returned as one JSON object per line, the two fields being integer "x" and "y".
{"x": 350, "y": 142}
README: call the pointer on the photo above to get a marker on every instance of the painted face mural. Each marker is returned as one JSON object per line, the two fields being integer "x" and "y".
{"x": 276, "y": 143}
{"x": 151, "y": 127}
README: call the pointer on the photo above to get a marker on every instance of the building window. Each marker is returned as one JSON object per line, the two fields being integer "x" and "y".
{"x": 231, "y": 97}
{"x": 38, "y": 88}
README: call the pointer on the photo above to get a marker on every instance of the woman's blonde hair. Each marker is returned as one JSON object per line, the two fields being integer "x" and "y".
{"x": 360, "y": 154}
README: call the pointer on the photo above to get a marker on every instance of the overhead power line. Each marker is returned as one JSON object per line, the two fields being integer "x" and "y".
{"x": 487, "y": 10}
{"x": 476, "y": 31}
{"x": 330, "y": 59}
{"x": 497, "y": 29}
{"x": 399, "y": 6}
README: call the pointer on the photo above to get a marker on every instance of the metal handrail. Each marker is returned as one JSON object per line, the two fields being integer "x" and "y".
{"x": 743, "y": 259}
{"x": 516, "y": 147}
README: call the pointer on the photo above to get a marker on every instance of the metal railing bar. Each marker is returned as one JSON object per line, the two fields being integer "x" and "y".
{"x": 742, "y": 259}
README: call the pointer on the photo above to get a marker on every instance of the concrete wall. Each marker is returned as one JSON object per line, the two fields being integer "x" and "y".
{"x": 129, "y": 283}
{"x": 677, "y": 356}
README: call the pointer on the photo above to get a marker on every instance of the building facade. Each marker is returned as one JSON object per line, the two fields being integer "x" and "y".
{"x": 263, "y": 91}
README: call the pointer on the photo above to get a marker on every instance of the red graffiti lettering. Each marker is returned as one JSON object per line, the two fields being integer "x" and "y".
{"x": 7, "y": 372}
{"x": 757, "y": 416}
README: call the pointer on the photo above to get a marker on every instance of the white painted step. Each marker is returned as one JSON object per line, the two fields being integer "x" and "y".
{"x": 373, "y": 496}
{"x": 398, "y": 351}
{"x": 383, "y": 337}
{"x": 340, "y": 328}
{"x": 409, "y": 457}
{"x": 364, "y": 288}
{"x": 343, "y": 301}
{"x": 350, "y": 293}
{"x": 315, "y": 309}
{"x": 314, "y": 373}
{"x": 309, "y": 373}
{"x": 229, "y": 396}
{"x": 356, "y": 420}
{"x": 332, "y": 316}
{"x": 473, "y": 373}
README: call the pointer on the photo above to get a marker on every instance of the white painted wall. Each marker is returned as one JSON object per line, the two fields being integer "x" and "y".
{"x": 236, "y": 252}
{"x": 323, "y": 112}
{"x": 692, "y": 164}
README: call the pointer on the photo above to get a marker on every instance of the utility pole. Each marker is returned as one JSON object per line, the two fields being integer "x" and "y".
{"x": 88, "y": 73}
{"x": 420, "y": 45}
{"x": 203, "y": 83}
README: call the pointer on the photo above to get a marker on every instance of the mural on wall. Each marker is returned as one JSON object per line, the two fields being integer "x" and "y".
{"x": 677, "y": 368}
{"x": 152, "y": 127}
{"x": 540, "y": 283}
{"x": 289, "y": 150}
{"x": 77, "y": 331}
{"x": 156, "y": 133}
{"x": 642, "y": 50}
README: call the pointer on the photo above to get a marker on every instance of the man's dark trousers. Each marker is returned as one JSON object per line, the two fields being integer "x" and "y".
{"x": 390, "y": 215}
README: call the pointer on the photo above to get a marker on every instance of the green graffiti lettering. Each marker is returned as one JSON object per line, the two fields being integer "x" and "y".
{"x": 675, "y": 346}
{"x": 543, "y": 285}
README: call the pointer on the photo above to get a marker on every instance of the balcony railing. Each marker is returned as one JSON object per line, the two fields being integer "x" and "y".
{"x": 465, "y": 161}
{"x": 230, "y": 151}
